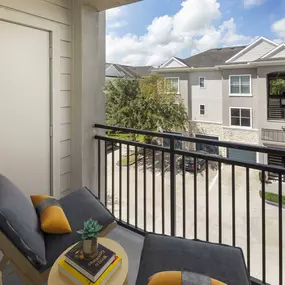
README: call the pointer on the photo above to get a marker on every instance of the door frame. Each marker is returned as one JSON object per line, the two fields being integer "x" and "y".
{"x": 31, "y": 21}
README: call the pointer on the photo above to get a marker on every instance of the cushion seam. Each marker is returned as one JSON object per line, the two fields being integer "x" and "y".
{"x": 22, "y": 241}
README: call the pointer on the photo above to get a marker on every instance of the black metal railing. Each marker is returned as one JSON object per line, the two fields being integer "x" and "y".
{"x": 214, "y": 198}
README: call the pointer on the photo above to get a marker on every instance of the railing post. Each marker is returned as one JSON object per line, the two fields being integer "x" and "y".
{"x": 172, "y": 187}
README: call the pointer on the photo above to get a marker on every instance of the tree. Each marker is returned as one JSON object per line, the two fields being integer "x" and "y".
{"x": 120, "y": 95}
{"x": 277, "y": 85}
{"x": 144, "y": 104}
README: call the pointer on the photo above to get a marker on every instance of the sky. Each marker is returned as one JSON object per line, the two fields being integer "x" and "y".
{"x": 152, "y": 31}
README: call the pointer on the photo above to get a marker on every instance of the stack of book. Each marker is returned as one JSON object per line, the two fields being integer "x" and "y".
{"x": 94, "y": 271}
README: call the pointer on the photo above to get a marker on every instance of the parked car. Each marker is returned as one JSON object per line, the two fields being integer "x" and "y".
{"x": 189, "y": 162}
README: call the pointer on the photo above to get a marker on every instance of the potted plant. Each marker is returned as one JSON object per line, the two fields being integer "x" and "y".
{"x": 89, "y": 235}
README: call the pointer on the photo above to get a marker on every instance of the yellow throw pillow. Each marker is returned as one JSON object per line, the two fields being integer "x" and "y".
{"x": 52, "y": 217}
{"x": 166, "y": 278}
{"x": 173, "y": 278}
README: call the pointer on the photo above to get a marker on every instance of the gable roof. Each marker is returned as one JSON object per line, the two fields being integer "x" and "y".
{"x": 126, "y": 71}
{"x": 178, "y": 60}
{"x": 280, "y": 47}
{"x": 250, "y": 46}
{"x": 212, "y": 57}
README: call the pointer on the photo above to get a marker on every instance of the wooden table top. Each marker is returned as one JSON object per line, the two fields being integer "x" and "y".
{"x": 119, "y": 278}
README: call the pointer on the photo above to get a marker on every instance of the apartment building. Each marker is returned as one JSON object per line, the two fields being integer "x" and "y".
{"x": 234, "y": 94}
{"x": 115, "y": 71}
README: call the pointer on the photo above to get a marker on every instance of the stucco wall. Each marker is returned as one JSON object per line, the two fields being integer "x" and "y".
{"x": 183, "y": 87}
{"x": 240, "y": 101}
{"x": 210, "y": 96}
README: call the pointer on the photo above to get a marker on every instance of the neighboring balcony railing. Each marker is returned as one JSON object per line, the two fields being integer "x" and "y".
{"x": 194, "y": 194}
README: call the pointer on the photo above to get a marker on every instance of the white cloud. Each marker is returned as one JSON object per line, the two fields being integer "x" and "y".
{"x": 117, "y": 25}
{"x": 279, "y": 28}
{"x": 114, "y": 18}
{"x": 250, "y": 3}
{"x": 192, "y": 28}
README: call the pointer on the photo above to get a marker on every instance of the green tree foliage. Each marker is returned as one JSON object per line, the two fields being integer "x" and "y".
{"x": 144, "y": 105}
{"x": 277, "y": 85}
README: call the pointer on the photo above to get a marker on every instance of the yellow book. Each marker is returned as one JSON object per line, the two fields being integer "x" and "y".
{"x": 77, "y": 278}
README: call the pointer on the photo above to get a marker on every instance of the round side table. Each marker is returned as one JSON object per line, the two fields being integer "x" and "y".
{"x": 119, "y": 278}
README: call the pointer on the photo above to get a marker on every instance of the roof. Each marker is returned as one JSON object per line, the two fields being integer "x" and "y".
{"x": 128, "y": 71}
{"x": 212, "y": 57}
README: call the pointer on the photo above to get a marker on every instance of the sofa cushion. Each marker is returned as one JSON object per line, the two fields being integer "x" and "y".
{"x": 78, "y": 207}
{"x": 163, "y": 253}
{"x": 20, "y": 223}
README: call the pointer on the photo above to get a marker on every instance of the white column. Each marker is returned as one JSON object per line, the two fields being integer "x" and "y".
{"x": 88, "y": 99}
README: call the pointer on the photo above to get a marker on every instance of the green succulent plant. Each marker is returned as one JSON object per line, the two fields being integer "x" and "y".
{"x": 91, "y": 230}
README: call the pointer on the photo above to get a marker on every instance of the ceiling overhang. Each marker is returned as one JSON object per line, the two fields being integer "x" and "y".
{"x": 102, "y": 5}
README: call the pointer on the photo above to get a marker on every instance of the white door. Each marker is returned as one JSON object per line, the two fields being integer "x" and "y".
{"x": 25, "y": 107}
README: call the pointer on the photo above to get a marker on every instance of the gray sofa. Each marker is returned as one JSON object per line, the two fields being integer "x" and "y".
{"x": 21, "y": 233}
{"x": 164, "y": 253}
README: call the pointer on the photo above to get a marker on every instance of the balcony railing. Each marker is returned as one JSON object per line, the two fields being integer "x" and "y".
{"x": 193, "y": 194}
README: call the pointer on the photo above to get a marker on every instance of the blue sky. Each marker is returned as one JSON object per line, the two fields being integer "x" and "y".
{"x": 151, "y": 31}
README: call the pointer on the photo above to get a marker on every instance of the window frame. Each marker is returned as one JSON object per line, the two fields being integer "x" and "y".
{"x": 240, "y": 108}
{"x": 178, "y": 85}
{"x": 241, "y": 94}
{"x": 200, "y": 77}
{"x": 204, "y": 109}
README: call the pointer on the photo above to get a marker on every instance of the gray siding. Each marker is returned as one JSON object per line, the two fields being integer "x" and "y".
{"x": 174, "y": 63}
{"x": 256, "y": 52}
{"x": 280, "y": 53}
{"x": 273, "y": 135}
{"x": 210, "y": 96}
{"x": 240, "y": 101}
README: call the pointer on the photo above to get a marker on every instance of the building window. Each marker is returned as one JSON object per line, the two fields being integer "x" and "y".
{"x": 202, "y": 82}
{"x": 202, "y": 110}
{"x": 172, "y": 84}
{"x": 276, "y": 96}
{"x": 240, "y": 85}
{"x": 240, "y": 117}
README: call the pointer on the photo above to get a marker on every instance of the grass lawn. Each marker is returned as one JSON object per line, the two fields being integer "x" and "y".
{"x": 132, "y": 158}
{"x": 127, "y": 137}
{"x": 272, "y": 197}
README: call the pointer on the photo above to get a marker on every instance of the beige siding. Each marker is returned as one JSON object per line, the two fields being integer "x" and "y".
{"x": 65, "y": 132}
{"x": 65, "y": 165}
{"x": 280, "y": 53}
{"x": 65, "y": 182}
{"x": 57, "y": 11}
{"x": 174, "y": 63}
{"x": 256, "y": 52}
{"x": 65, "y": 99}
{"x": 43, "y": 9}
